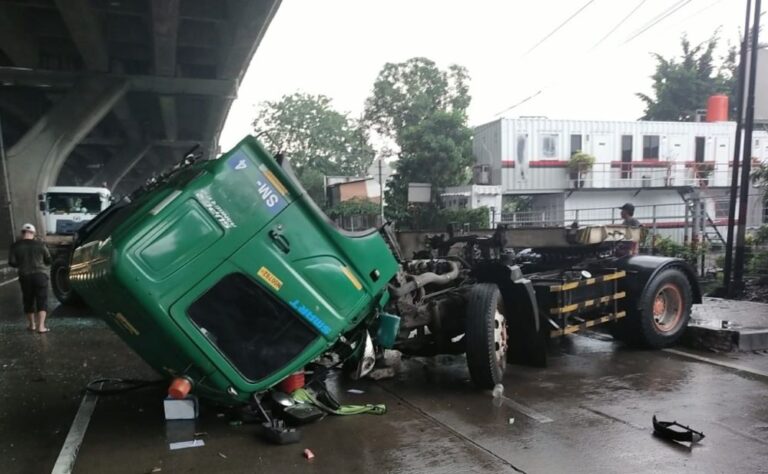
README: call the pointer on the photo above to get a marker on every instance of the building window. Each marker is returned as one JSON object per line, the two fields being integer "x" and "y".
{"x": 650, "y": 147}
{"x": 698, "y": 156}
{"x": 721, "y": 208}
{"x": 522, "y": 145}
{"x": 626, "y": 156}
{"x": 576, "y": 145}
{"x": 549, "y": 145}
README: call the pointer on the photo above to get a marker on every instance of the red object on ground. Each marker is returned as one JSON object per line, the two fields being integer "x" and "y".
{"x": 292, "y": 382}
{"x": 309, "y": 454}
{"x": 179, "y": 388}
{"x": 717, "y": 108}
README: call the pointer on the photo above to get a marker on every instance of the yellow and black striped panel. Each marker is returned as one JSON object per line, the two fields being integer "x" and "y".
{"x": 572, "y": 328}
{"x": 588, "y": 281}
{"x": 587, "y": 303}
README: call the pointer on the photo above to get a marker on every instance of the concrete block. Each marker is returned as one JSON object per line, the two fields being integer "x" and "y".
{"x": 181, "y": 409}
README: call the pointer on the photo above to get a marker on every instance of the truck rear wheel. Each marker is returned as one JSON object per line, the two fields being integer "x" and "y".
{"x": 60, "y": 283}
{"x": 665, "y": 309}
{"x": 486, "y": 335}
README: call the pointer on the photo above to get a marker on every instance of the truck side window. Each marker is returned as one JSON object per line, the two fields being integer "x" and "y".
{"x": 258, "y": 333}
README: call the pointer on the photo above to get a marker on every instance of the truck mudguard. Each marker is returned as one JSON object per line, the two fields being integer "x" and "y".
{"x": 641, "y": 269}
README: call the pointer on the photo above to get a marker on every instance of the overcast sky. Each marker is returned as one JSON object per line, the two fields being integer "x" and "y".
{"x": 337, "y": 47}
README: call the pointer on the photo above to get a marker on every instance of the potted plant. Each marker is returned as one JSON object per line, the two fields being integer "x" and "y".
{"x": 703, "y": 172}
{"x": 579, "y": 165}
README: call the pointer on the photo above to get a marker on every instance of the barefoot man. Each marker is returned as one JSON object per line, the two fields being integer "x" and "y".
{"x": 31, "y": 258}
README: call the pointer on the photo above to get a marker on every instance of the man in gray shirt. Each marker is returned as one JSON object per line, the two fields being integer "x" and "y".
{"x": 32, "y": 259}
{"x": 628, "y": 215}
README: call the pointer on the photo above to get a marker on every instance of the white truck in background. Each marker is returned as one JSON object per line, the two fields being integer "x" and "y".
{"x": 65, "y": 209}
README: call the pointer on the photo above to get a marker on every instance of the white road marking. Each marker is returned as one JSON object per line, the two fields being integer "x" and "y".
{"x": 9, "y": 281}
{"x": 68, "y": 454}
{"x": 729, "y": 365}
{"x": 527, "y": 411}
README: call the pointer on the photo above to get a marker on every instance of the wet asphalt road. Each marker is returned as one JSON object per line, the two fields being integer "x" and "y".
{"x": 590, "y": 412}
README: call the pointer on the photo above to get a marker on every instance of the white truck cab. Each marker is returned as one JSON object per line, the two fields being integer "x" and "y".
{"x": 66, "y": 208}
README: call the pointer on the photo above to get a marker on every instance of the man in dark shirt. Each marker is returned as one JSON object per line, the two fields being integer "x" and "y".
{"x": 628, "y": 215}
{"x": 31, "y": 258}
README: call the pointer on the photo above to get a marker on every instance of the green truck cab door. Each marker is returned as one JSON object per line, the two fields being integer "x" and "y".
{"x": 282, "y": 297}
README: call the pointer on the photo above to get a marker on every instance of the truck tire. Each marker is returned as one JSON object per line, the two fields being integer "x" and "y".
{"x": 486, "y": 335}
{"x": 665, "y": 308}
{"x": 60, "y": 283}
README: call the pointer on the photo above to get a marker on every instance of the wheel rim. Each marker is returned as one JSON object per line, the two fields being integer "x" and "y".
{"x": 667, "y": 308}
{"x": 500, "y": 335}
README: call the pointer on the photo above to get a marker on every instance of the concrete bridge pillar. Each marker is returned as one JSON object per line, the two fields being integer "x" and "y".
{"x": 35, "y": 161}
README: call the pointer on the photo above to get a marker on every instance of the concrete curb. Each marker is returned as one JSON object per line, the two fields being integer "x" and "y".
{"x": 726, "y": 340}
{"x": 728, "y": 326}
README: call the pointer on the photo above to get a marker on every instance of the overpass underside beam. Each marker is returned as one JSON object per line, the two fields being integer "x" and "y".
{"x": 35, "y": 161}
{"x": 120, "y": 165}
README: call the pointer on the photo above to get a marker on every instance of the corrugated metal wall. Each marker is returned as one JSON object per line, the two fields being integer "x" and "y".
{"x": 486, "y": 146}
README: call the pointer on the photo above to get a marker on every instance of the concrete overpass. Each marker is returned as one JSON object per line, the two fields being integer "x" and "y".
{"x": 112, "y": 91}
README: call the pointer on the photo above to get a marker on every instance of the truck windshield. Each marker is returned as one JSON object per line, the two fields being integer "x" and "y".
{"x": 74, "y": 203}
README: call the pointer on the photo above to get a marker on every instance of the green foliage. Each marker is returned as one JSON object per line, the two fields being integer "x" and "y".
{"x": 669, "y": 248}
{"x": 422, "y": 109}
{"x": 516, "y": 204}
{"x": 759, "y": 263}
{"x": 437, "y": 151}
{"x": 581, "y": 162}
{"x": 760, "y": 176}
{"x": 354, "y": 207}
{"x": 429, "y": 217}
{"x": 761, "y": 235}
{"x": 316, "y": 138}
{"x": 681, "y": 86}
{"x": 476, "y": 218}
{"x": 407, "y": 93}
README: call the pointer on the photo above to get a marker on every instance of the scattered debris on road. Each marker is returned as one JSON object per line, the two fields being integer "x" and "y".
{"x": 195, "y": 443}
{"x": 309, "y": 455}
{"x": 666, "y": 430}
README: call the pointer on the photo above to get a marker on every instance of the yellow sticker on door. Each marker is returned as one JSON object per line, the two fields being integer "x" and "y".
{"x": 355, "y": 282}
{"x": 271, "y": 279}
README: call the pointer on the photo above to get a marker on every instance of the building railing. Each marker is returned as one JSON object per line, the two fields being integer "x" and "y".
{"x": 618, "y": 174}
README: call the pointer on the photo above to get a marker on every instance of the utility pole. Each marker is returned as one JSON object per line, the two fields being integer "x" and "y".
{"x": 728, "y": 265}
{"x": 381, "y": 190}
{"x": 738, "y": 260}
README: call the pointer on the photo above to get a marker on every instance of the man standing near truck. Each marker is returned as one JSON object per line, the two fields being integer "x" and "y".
{"x": 32, "y": 259}
{"x": 628, "y": 215}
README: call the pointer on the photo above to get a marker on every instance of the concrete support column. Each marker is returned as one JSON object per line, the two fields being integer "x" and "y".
{"x": 120, "y": 165}
{"x": 35, "y": 161}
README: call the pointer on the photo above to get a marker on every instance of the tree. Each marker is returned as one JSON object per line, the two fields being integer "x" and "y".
{"x": 406, "y": 93}
{"x": 680, "y": 87}
{"x": 422, "y": 109}
{"x": 316, "y": 138}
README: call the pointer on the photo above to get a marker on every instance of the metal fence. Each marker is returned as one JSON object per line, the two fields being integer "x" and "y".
{"x": 683, "y": 221}
{"x": 358, "y": 222}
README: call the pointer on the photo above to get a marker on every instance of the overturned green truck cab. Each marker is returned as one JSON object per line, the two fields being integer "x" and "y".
{"x": 227, "y": 274}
